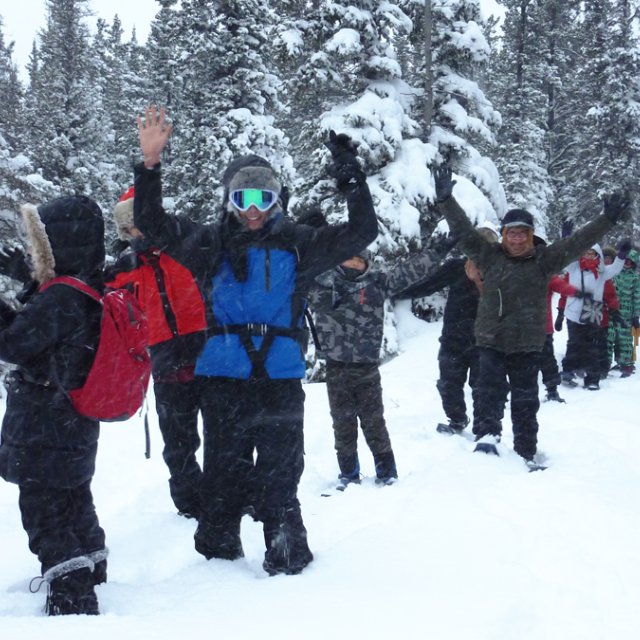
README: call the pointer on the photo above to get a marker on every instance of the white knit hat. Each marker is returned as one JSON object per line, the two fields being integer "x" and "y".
{"x": 123, "y": 214}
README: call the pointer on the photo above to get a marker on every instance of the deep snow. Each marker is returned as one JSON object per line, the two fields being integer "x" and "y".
{"x": 463, "y": 546}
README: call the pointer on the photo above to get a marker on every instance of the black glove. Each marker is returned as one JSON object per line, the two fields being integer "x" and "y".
{"x": 624, "y": 246}
{"x": 635, "y": 322}
{"x": 616, "y": 318}
{"x": 14, "y": 264}
{"x": 578, "y": 294}
{"x": 345, "y": 167}
{"x": 442, "y": 244}
{"x": 567, "y": 228}
{"x": 557, "y": 325}
{"x": 616, "y": 207}
{"x": 284, "y": 198}
{"x": 442, "y": 176}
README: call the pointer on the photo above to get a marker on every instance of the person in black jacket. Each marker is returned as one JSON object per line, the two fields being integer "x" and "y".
{"x": 458, "y": 354}
{"x": 169, "y": 296}
{"x": 46, "y": 447}
{"x": 254, "y": 267}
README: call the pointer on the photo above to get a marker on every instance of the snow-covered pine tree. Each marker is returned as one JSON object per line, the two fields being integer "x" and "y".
{"x": 518, "y": 85}
{"x": 229, "y": 100}
{"x": 606, "y": 108}
{"x": 68, "y": 128}
{"x": 464, "y": 120}
{"x": 346, "y": 52}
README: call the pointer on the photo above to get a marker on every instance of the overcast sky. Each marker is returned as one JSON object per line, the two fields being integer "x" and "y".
{"x": 24, "y": 18}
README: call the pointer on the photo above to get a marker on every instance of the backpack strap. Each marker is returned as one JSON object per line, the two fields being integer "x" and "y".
{"x": 74, "y": 283}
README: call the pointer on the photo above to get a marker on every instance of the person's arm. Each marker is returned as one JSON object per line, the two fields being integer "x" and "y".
{"x": 437, "y": 279}
{"x": 561, "y": 285}
{"x": 610, "y": 296}
{"x": 165, "y": 231}
{"x": 472, "y": 243}
{"x": 566, "y": 250}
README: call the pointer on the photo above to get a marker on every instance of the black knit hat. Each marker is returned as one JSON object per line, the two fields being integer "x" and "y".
{"x": 517, "y": 218}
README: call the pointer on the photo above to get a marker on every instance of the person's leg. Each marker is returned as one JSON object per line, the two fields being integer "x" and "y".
{"x": 47, "y": 517}
{"x": 549, "y": 369}
{"x": 279, "y": 465}
{"x": 573, "y": 358}
{"x": 492, "y": 390}
{"x": 227, "y": 466}
{"x": 625, "y": 348}
{"x": 177, "y": 404}
{"x": 523, "y": 375}
{"x": 453, "y": 365}
{"x": 370, "y": 408}
{"x": 591, "y": 352}
{"x": 344, "y": 415}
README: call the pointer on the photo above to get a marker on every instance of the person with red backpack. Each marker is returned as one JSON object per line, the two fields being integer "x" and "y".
{"x": 171, "y": 301}
{"x": 47, "y": 447}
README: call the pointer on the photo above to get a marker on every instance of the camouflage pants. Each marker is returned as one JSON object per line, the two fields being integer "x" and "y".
{"x": 620, "y": 341}
{"x": 355, "y": 392}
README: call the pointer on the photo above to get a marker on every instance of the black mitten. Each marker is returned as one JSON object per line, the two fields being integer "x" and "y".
{"x": 345, "y": 167}
{"x": 14, "y": 264}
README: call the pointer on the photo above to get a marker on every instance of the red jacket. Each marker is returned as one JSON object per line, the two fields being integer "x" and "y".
{"x": 171, "y": 300}
{"x": 557, "y": 284}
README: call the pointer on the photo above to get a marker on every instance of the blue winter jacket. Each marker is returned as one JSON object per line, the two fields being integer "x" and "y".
{"x": 255, "y": 284}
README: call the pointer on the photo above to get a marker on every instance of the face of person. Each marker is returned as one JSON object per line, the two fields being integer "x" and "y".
{"x": 358, "y": 263}
{"x": 135, "y": 233}
{"x": 517, "y": 241}
{"x": 590, "y": 254}
{"x": 253, "y": 218}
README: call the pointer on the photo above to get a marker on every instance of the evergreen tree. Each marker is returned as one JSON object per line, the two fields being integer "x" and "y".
{"x": 69, "y": 132}
{"x": 229, "y": 99}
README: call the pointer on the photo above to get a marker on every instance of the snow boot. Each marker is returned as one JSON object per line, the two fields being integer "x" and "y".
{"x": 487, "y": 444}
{"x": 626, "y": 370}
{"x": 286, "y": 541}
{"x": 221, "y": 540}
{"x": 349, "y": 471}
{"x": 99, "y": 559}
{"x": 386, "y": 472}
{"x": 568, "y": 378}
{"x": 71, "y": 588}
{"x": 553, "y": 395}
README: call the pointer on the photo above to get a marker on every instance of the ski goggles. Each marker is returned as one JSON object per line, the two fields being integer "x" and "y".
{"x": 261, "y": 199}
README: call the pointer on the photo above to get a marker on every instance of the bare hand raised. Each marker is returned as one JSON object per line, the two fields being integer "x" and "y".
{"x": 154, "y": 133}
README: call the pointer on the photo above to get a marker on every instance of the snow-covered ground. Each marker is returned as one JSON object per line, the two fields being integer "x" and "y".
{"x": 463, "y": 546}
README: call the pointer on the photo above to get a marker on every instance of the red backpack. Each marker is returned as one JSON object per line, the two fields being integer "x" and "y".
{"x": 117, "y": 382}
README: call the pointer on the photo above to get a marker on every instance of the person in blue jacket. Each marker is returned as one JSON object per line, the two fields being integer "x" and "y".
{"x": 254, "y": 267}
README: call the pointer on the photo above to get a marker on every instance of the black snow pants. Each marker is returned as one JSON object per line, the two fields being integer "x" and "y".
{"x": 355, "y": 392}
{"x": 549, "y": 364}
{"x": 61, "y": 523}
{"x": 583, "y": 350}
{"x": 241, "y": 417}
{"x": 177, "y": 404}
{"x": 499, "y": 374}
{"x": 456, "y": 361}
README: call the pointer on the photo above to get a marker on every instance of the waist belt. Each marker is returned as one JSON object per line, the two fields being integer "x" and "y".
{"x": 258, "y": 330}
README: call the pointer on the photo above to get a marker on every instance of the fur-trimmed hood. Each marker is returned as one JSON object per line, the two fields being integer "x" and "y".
{"x": 65, "y": 237}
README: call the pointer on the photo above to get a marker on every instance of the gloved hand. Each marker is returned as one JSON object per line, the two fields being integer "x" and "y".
{"x": 14, "y": 265}
{"x": 442, "y": 244}
{"x": 624, "y": 246}
{"x": 345, "y": 167}
{"x": 567, "y": 228}
{"x": 578, "y": 294}
{"x": 635, "y": 322}
{"x": 616, "y": 206}
{"x": 557, "y": 325}
{"x": 442, "y": 176}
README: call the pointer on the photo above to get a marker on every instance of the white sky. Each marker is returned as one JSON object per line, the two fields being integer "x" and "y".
{"x": 22, "y": 20}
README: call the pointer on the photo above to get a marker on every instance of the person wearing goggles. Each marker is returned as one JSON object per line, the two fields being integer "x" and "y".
{"x": 255, "y": 267}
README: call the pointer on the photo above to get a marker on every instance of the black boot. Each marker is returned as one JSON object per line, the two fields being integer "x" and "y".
{"x": 349, "y": 469}
{"x": 72, "y": 594}
{"x": 386, "y": 472}
{"x": 286, "y": 541}
{"x": 221, "y": 540}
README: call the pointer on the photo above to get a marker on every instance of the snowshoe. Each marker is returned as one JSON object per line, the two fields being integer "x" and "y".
{"x": 345, "y": 481}
{"x": 453, "y": 428}
{"x": 487, "y": 444}
{"x": 386, "y": 482}
{"x": 532, "y": 465}
{"x": 553, "y": 396}
{"x": 568, "y": 379}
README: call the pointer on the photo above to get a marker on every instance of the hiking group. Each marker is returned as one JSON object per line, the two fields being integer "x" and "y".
{"x": 221, "y": 308}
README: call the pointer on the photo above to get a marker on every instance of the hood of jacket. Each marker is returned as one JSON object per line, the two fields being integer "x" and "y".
{"x": 64, "y": 237}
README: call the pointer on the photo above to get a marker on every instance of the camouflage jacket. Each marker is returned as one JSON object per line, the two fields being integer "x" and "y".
{"x": 628, "y": 289}
{"x": 512, "y": 310}
{"x": 349, "y": 313}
